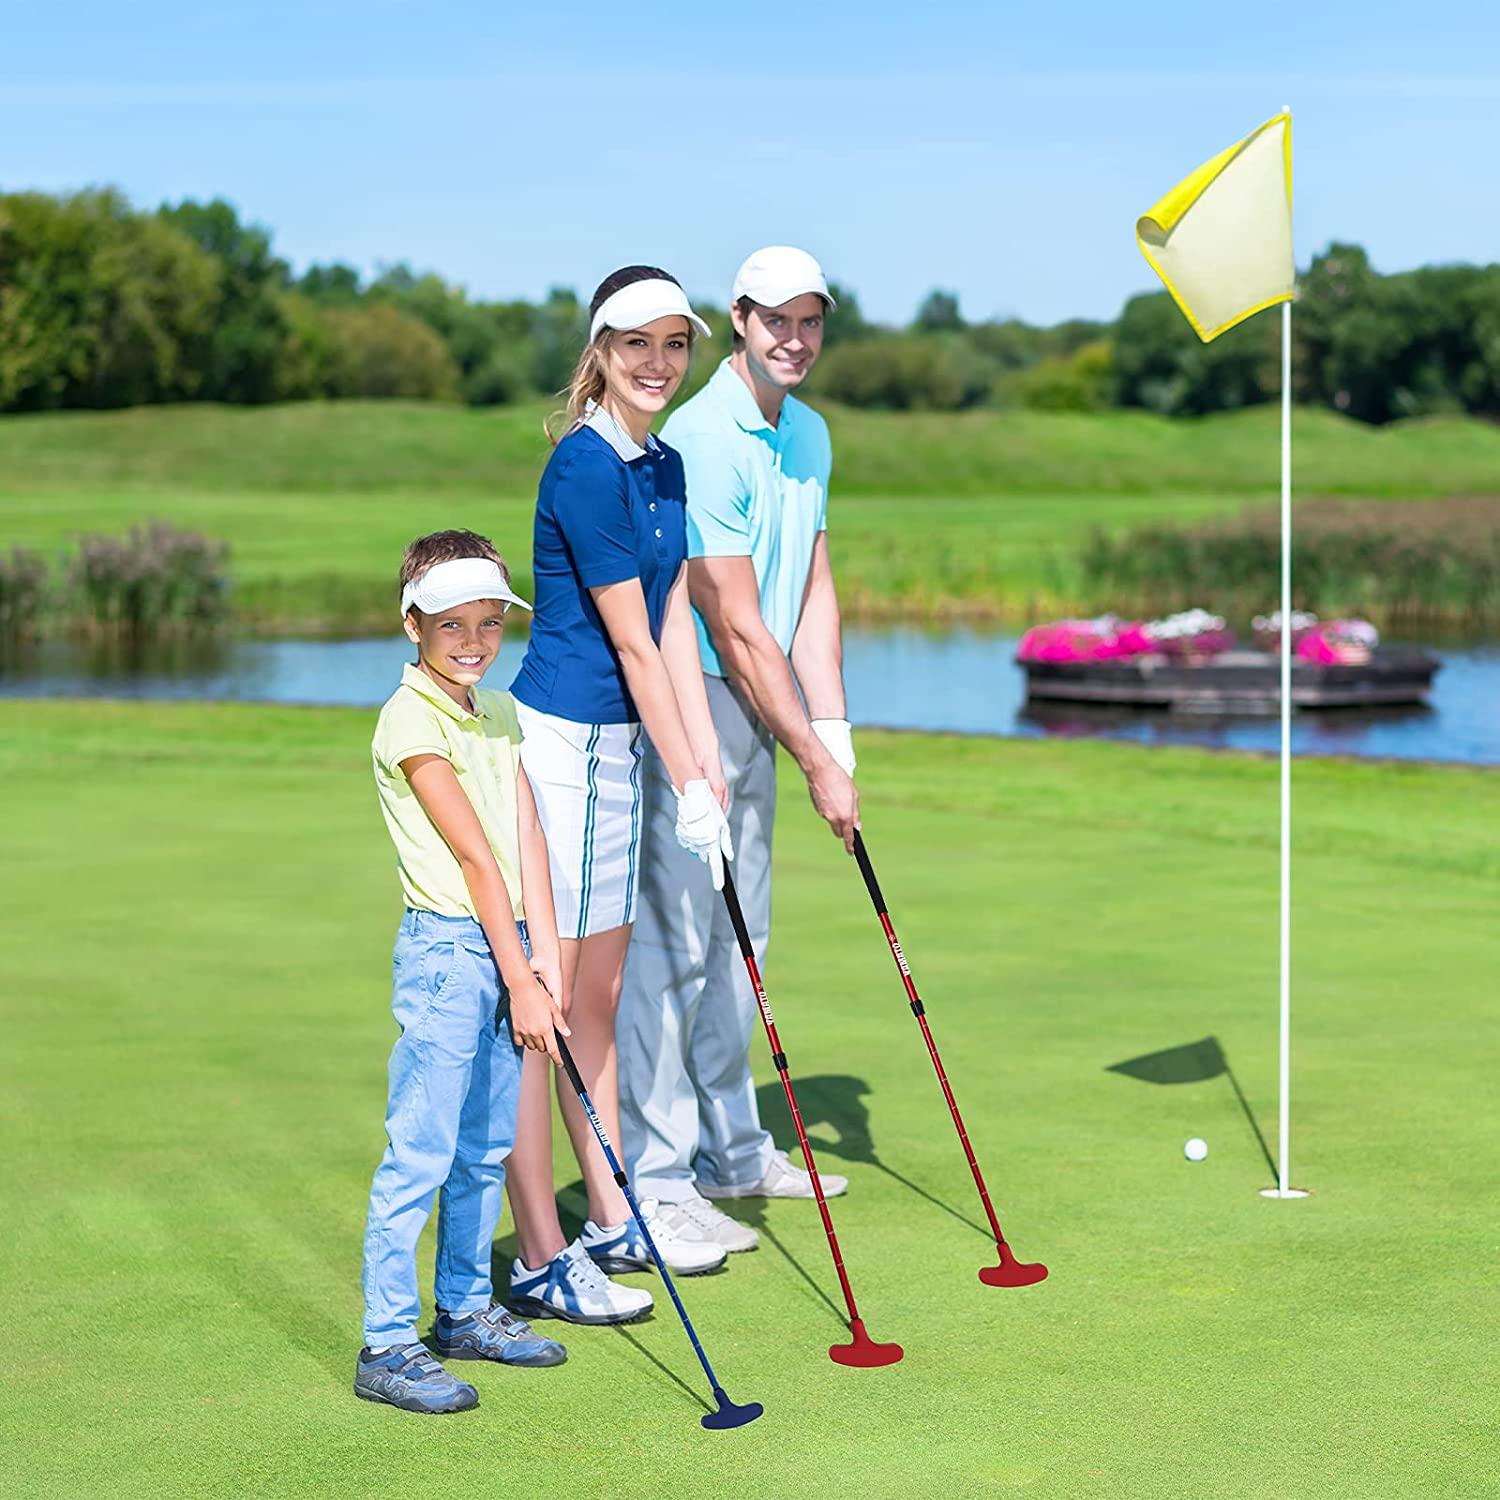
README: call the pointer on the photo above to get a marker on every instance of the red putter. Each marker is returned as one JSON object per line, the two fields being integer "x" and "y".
{"x": 1010, "y": 1271}
{"x": 861, "y": 1350}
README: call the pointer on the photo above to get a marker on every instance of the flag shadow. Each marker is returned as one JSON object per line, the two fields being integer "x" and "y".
{"x": 837, "y": 1100}
{"x": 1194, "y": 1062}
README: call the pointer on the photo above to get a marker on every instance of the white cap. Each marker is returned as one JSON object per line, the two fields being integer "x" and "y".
{"x": 777, "y": 274}
{"x": 446, "y": 585}
{"x": 644, "y": 302}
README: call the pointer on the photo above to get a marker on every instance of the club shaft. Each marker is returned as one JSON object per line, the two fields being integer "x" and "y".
{"x": 576, "y": 1079}
{"x": 862, "y": 857}
{"x": 778, "y": 1057}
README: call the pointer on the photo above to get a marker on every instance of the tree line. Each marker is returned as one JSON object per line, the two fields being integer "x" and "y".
{"x": 106, "y": 305}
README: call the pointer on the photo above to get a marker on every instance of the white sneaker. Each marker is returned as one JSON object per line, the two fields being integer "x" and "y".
{"x": 782, "y": 1180}
{"x": 718, "y": 1228}
{"x": 571, "y": 1286}
{"x": 684, "y": 1247}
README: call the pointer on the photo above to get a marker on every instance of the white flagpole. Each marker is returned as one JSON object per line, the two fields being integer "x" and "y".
{"x": 1283, "y": 1188}
{"x": 1284, "y": 1149}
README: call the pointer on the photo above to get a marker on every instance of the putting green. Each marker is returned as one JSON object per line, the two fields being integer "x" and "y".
{"x": 199, "y": 906}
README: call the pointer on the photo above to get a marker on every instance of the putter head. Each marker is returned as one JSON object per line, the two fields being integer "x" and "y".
{"x": 730, "y": 1415}
{"x": 1012, "y": 1272}
{"x": 862, "y": 1351}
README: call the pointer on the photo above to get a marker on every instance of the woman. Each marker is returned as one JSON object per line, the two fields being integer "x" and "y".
{"x": 613, "y": 652}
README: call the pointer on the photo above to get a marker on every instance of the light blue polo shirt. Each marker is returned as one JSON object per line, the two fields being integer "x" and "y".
{"x": 753, "y": 490}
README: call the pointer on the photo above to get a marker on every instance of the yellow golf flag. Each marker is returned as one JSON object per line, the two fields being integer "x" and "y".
{"x": 1221, "y": 240}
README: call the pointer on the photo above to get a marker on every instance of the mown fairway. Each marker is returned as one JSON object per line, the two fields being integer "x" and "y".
{"x": 199, "y": 906}
{"x": 978, "y": 514}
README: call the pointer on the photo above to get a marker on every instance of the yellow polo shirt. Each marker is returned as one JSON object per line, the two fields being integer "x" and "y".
{"x": 484, "y": 749}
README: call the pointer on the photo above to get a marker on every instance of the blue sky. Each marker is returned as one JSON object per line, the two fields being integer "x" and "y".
{"x": 996, "y": 149}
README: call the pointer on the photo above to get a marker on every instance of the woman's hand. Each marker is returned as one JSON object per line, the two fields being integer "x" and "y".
{"x": 702, "y": 829}
{"x": 713, "y": 773}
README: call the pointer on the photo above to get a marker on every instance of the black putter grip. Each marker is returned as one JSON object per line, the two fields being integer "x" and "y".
{"x": 569, "y": 1065}
{"x": 861, "y": 854}
{"x": 736, "y": 916}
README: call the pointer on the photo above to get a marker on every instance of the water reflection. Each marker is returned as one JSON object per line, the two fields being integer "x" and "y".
{"x": 961, "y": 681}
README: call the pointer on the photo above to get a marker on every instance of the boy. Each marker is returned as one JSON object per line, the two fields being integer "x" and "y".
{"x": 476, "y": 969}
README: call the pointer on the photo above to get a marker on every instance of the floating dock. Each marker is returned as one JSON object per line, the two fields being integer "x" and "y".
{"x": 1235, "y": 682}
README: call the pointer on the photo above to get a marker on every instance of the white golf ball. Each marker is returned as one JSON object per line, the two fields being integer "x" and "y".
{"x": 1196, "y": 1149}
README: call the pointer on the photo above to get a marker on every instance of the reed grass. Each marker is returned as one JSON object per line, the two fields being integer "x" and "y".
{"x": 156, "y": 579}
{"x": 1397, "y": 563}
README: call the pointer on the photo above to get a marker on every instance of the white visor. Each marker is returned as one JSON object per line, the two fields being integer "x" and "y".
{"x": 446, "y": 585}
{"x": 644, "y": 302}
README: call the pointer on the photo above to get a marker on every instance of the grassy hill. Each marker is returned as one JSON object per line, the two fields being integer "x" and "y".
{"x": 401, "y": 445}
{"x": 977, "y": 514}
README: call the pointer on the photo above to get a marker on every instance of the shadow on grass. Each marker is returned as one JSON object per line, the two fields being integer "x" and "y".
{"x": 572, "y": 1211}
{"x": 837, "y": 1100}
{"x": 1194, "y": 1062}
{"x": 672, "y": 1375}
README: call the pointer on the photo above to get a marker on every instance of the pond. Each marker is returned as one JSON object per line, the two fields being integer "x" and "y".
{"x": 960, "y": 681}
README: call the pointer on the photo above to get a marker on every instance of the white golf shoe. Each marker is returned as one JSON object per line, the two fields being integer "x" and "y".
{"x": 571, "y": 1286}
{"x": 717, "y": 1227}
{"x": 684, "y": 1247}
{"x": 782, "y": 1180}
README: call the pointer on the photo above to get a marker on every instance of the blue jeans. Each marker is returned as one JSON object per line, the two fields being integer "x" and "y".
{"x": 450, "y": 1120}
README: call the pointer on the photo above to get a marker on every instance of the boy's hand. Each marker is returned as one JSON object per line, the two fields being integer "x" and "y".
{"x": 548, "y": 970}
{"x": 533, "y": 1015}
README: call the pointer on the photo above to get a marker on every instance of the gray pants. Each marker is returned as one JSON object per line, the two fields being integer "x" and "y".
{"x": 687, "y": 1012}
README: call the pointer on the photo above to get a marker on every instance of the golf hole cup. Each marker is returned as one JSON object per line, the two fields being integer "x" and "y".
{"x": 1196, "y": 1149}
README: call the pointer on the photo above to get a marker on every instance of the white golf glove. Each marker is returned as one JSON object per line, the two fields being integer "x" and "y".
{"x": 838, "y": 741}
{"x": 702, "y": 828}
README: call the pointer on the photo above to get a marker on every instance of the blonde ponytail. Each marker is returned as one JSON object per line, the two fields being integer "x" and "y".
{"x": 587, "y": 384}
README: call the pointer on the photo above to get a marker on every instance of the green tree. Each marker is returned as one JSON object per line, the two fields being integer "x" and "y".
{"x": 904, "y": 371}
{"x": 99, "y": 306}
{"x": 939, "y": 313}
{"x": 241, "y": 354}
{"x": 846, "y": 324}
{"x": 559, "y": 329}
{"x": 334, "y": 285}
{"x": 1161, "y": 364}
{"x": 1081, "y": 381}
{"x": 378, "y": 350}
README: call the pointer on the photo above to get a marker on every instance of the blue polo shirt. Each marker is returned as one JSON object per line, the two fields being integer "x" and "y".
{"x": 754, "y": 491}
{"x": 607, "y": 510}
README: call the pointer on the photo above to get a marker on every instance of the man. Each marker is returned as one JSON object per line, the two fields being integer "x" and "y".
{"x": 757, "y": 462}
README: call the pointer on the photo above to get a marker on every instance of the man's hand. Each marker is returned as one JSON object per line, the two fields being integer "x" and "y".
{"x": 836, "y": 800}
{"x": 533, "y": 1014}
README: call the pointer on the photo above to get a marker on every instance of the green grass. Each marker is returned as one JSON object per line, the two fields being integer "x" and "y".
{"x": 980, "y": 514}
{"x": 416, "y": 446}
{"x": 199, "y": 907}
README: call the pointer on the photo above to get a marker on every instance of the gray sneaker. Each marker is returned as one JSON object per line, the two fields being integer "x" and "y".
{"x": 409, "y": 1377}
{"x": 715, "y": 1227}
{"x": 494, "y": 1334}
{"x": 782, "y": 1180}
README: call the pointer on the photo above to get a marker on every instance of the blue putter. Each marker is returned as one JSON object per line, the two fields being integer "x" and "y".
{"x": 728, "y": 1414}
